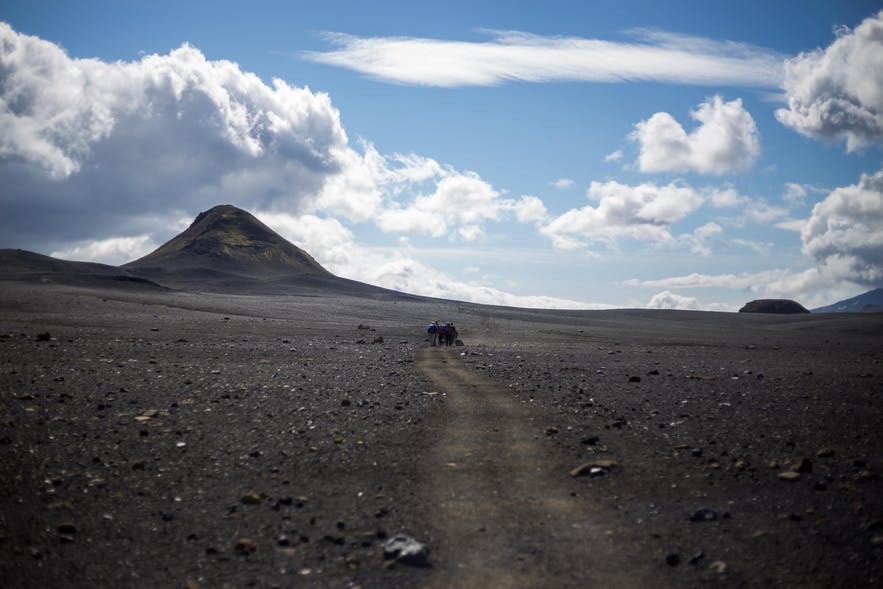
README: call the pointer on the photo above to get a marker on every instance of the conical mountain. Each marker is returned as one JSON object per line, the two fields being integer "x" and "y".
{"x": 228, "y": 240}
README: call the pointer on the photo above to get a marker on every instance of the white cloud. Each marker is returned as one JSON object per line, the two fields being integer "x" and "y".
{"x": 529, "y": 209}
{"x": 562, "y": 183}
{"x": 794, "y": 193}
{"x": 698, "y": 241}
{"x": 614, "y": 156}
{"x": 90, "y": 150}
{"x": 515, "y": 56}
{"x": 845, "y": 231}
{"x": 725, "y": 141}
{"x": 114, "y": 250}
{"x": 642, "y": 212}
{"x": 757, "y": 210}
{"x": 669, "y": 300}
{"x": 837, "y": 93}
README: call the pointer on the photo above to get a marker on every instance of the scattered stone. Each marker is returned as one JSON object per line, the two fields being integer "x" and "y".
{"x": 804, "y": 466}
{"x": 673, "y": 559}
{"x": 696, "y": 557}
{"x": 696, "y": 452}
{"x": 406, "y": 550}
{"x": 789, "y": 475}
{"x": 67, "y": 528}
{"x": 634, "y": 379}
{"x": 589, "y": 440}
{"x": 251, "y": 498}
{"x": 44, "y": 337}
{"x": 459, "y": 343}
{"x": 378, "y": 340}
{"x": 704, "y": 515}
{"x": 718, "y": 567}
{"x": 245, "y": 546}
{"x": 593, "y": 468}
{"x": 551, "y": 431}
{"x": 825, "y": 453}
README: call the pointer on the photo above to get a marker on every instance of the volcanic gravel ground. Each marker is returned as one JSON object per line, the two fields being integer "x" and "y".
{"x": 179, "y": 439}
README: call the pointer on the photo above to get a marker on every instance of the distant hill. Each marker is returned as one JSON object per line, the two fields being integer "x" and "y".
{"x": 776, "y": 306}
{"x": 871, "y": 301}
{"x": 25, "y": 266}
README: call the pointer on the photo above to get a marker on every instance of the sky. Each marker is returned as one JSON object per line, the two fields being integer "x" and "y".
{"x": 688, "y": 155}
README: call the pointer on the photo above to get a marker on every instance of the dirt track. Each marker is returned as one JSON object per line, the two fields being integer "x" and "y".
{"x": 507, "y": 518}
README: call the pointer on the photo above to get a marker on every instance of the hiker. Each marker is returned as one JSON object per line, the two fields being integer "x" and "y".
{"x": 433, "y": 333}
{"x": 452, "y": 333}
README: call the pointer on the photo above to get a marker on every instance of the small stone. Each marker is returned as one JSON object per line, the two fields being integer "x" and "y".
{"x": 593, "y": 468}
{"x": 634, "y": 379}
{"x": 789, "y": 475}
{"x": 67, "y": 528}
{"x": 251, "y": 498}
{"x": 44, "y": 337}
{"x": 718, "y": 567}
{"x": 377, "y": 340}
{"x": 825, "y": 453}
{"x": 406, "y": 550}
{"x": 696, "y": 557}
{"x": 245, "y": 546}
{"x": 704, "y": 515}
{"x": 804, "y": 466}
{"x": 551, "y": 431}
{"x": 589, "y": 440}
{"x": 673, "y": 559}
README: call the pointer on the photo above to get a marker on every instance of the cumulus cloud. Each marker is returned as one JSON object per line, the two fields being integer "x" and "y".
{"x": 516, "y": 56}
{"x": 562, "y": 183}
{"x": 114, "y": 250}
{"x": 669, "y": 300}
{"x": 643, "y": 212}
{"x": 845, "y": 231}
{"x": 836, "y": 93}
{"x": 614, "y": 156}
{"x": 92, "y": 148}
{"x": 725, "y": 141}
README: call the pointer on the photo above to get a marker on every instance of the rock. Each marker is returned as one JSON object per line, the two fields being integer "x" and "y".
{"x": 459, "y": 342}
{"x": 673, "y": 559}
{"x": 825, "y": 453}
{"x": 44, "y": 337}
{"x": 245, "y": 546}
{"x": 634, "y": 379}
{"x": 789, "y": 475}
{"x": 804, "y": 466}
{"x": 590, "y": 440}
{"x": 551, "y": 431}
{"x": 251, "y": 498}
{"x": 718, "y": 567}
{"x": 377, "y": 340}
{"x": 406, "y": 550}
{"x": 704, "y": 515}
{"x": 593, "y": 468}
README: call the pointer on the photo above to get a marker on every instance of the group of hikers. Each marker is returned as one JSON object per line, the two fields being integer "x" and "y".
{"x": 442, "y": 334}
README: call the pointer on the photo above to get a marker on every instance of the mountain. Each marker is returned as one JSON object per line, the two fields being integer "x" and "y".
{"x": 228, "y": 250}
{"x": 869, "y": 301}
{"x": 227, "y": 239}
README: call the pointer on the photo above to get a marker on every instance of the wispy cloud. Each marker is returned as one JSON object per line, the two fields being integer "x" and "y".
{"x": 523, "y": 57}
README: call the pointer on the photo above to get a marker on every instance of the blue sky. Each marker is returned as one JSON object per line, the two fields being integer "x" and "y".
{"x": 681, "y": 154}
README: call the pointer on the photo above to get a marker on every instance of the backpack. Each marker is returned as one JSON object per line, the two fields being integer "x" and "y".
{"x": 432, "y": 328}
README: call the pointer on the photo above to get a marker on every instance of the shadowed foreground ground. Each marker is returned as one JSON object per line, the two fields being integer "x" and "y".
{"x": 170, "y": 439}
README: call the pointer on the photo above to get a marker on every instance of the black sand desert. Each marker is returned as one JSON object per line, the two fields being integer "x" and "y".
{"x": 275, "y": 433}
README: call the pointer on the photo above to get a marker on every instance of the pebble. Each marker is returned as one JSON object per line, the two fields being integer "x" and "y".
{"x": 245, "y": 546}
{"x": 406, "y": 550}
{"x": 593, "y": 468}
{"x": 789, "y": 475}
{"x": 704, "y": 515}
{"x": 719, "y": 567}
{"x": 251, "y": 498}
